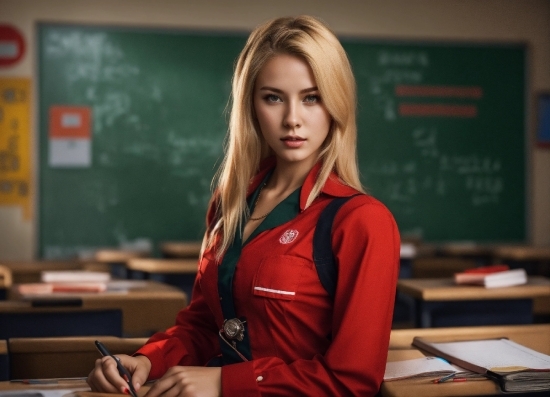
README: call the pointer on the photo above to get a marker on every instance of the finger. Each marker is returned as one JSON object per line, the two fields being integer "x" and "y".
{"x": 140, "y": 371}
{"x": 97, "y": 381}
{"x": 114, "y": 383}
{"x": 160, "y": 387}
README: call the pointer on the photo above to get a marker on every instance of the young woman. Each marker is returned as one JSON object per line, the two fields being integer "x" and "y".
{"x": 258, "y": 308}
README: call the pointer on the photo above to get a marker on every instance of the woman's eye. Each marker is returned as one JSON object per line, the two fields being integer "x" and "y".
{"x": 272, "y": 98}
{"x": 312, "y": 99}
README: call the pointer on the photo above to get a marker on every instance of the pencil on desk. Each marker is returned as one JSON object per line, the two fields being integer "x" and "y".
{"x": 444, "y": 378}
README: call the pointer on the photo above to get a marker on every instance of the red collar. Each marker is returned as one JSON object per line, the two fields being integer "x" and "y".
{"x": 333, "y": 186}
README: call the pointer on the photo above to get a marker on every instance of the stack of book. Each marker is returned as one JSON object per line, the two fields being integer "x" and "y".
{"x": 515, "y": 367}
{"x": 492, "y": 276}
{"x": 75, "y": 281}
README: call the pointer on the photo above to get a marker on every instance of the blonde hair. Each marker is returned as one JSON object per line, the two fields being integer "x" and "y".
{"x": 308, "y": 38}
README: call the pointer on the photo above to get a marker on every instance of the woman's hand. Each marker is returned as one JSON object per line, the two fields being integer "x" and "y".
{"x": 188, "y": 382}
{"x": 105, "y": 377}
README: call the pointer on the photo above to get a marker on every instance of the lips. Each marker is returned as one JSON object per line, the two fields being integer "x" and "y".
{"x": 293, "y": 142}
{"x": 293, "y": 138}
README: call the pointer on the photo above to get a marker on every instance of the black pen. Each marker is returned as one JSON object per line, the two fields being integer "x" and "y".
{"x": 121, "y": 369}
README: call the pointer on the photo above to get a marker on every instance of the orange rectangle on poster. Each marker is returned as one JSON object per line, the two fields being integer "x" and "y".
{"x": 70, "y": 122}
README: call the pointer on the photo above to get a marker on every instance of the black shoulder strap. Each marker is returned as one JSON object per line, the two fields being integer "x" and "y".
{"x": 322, "y": 245}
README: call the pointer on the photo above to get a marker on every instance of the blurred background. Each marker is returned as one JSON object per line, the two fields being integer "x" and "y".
{"x": 112, "y": 119}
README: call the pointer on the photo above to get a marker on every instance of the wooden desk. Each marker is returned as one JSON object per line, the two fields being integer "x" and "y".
{"x": 481, "y": 253}
{"x": 535, "y": 336}
{"x": 147, "y": 306}
{"x": 38, "y": 358}
{"x": 4, "y": 361}
{"x": 440, "y": 302}
{"x": 163, "y": 266}
{"x": 535, "y": 260}
{"x": 5, "y": 281}
{"x": 29, "y": 271}
{"x": 117, "y": 259}
{"x": 438, "y": 267}
{"x": 78, "y": 388}
{"x": 181, "y": 249}
{"x": 180, "y": 273}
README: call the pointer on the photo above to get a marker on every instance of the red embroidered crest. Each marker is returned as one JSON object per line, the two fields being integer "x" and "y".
{"x": 288, "y": 236}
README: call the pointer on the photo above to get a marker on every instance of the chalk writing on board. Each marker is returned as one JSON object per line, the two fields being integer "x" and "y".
{"x": 438, "y": 173}
{"x": 399, "y": 67}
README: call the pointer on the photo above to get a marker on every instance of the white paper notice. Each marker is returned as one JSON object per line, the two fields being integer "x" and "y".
{"x": 70, "y": 153}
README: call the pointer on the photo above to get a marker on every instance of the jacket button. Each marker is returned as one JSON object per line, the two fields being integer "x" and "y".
{"x": 259, "y": 378}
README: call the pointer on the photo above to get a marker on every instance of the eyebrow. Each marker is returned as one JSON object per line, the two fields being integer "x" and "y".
{"x": 304, "y": 91}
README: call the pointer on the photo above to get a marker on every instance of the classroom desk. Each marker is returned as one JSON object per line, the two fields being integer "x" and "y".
{"x": 440, "y": 302}
{"x": 181, "y": 249}
{"x": 481, "y": 253}
{"x": 117, "y": 259}
{"x": 4, "y": 361}
{"x": 535, "y": 260}
{"x": 180, "y": 273}
{"x": 147, "y": 306}
{"x": 29, "y": 271}
{"x": 5, "y": 281}
{"x": 535, "y": 336}
{"x": 39, "y": 358}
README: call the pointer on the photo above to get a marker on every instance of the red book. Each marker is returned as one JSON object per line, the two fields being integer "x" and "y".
{"x": 477, "y": 274}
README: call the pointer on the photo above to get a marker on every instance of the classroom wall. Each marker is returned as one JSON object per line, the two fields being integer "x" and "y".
{"x": 467, "y": 20}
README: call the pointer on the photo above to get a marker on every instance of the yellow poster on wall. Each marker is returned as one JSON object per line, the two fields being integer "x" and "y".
{"x": 15, "y": 148}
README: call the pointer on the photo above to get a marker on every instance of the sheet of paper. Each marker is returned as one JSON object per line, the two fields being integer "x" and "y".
{"x": 426, "y": 366}
{"x": 39, "y": 392}
{"x": 495, "y": 354}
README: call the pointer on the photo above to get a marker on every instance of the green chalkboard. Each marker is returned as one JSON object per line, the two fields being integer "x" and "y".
{"x": 441, "y": 134}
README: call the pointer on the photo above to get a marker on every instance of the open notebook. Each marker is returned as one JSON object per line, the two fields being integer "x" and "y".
{"x": 515, "y": 367}
{"x": 425, "y": 367}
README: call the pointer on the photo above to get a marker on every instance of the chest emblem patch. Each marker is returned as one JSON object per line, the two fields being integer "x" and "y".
{"x": 288, "y": 236}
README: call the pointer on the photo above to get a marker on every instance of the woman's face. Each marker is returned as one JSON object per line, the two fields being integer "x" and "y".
{"x": 290, "y": 111}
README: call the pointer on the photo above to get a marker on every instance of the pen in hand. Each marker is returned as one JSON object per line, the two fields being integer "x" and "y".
{"x": 121, "y": 369}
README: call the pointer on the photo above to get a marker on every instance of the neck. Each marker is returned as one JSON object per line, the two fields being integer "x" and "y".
{"x": 288, "y": 177}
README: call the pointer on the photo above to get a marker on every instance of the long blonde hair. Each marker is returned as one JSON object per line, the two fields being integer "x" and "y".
{"x": 311, "y": 40}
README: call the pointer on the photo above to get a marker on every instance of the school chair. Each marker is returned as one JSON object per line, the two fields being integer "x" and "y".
{"x": 62, "y": 357}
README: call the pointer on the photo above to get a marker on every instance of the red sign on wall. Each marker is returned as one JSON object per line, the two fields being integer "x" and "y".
{"x": 12, "y": 45}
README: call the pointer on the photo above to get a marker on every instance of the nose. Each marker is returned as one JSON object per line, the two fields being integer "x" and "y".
{"x": 292, "y": 118}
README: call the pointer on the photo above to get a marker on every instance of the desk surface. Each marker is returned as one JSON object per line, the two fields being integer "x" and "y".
{"x": 522, "y": 253}
{"x": 147, "y": 306}
{"x": 164, "y": 266}
{"x": 181, "y": 249}
{"x": 79, "y": 387}
{"x": 536, "y": 337}
{"x": 466, "y": 249}
{"x": 29, "y": 271}
{"x": 445, "y": 289}
{"x": 533, "y": 336}
{"x": 118, "y": 255}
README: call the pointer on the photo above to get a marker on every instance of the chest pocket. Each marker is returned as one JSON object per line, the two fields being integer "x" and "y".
{"x": 279, "y": 277}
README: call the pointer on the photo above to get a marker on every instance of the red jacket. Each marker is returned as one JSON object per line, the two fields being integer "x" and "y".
{"x": 289, "y": 314}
